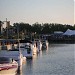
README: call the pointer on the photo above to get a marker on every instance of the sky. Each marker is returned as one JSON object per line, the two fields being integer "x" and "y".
{"x": 41, "y": 11}
{"x": 74, "y": 11}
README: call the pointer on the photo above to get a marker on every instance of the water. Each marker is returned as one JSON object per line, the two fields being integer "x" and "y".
{"x": 57, "y": 60}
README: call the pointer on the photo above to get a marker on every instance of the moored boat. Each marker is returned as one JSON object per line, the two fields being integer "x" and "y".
{"x": 28, "y": 48}
{"x": 14, "y": 54}
{"x": 44, "y": 44}
{"x": 38, "y": 44}
{"x": 8, "y": 66}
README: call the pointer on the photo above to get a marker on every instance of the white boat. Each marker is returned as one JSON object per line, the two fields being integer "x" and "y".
{"x": 34, "y": 47}
{"x": 44, "y": 44}
{"x": 8, "y": 66}
{"x": 38, "y": 44}
{"x": 10, "y": 53}
{"x": 12, "y": 46}
{"x": 27, "y": 48}
{"x": 15, "y": 54}
{"x": 8, "y": 44}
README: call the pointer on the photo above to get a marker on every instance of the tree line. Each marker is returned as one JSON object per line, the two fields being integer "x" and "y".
{"x": 45, "y": 28}
{"x": 27, "y": 29}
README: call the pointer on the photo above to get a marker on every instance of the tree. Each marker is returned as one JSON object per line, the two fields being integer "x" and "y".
{"x": 36, "y": 27}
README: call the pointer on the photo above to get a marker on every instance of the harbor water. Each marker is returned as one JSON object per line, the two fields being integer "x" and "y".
{"x": 58, "y": 59}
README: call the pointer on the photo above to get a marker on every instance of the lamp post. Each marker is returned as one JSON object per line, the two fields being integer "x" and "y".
{"x": 18, "y": 32}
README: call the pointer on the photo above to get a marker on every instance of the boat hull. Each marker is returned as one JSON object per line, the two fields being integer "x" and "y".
{"x": 8, "y": 66}
{"x": 11, "y": 71}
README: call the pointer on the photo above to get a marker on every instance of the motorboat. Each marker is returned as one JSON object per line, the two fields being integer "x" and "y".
{"x": 28, "y": 48}
{"x": 14, "y": 54}
{"x": 8, "y": 66}
{"x": 34, "y": 47}
{"x": 7, "y": 44}
{"x": 44, "y": 44}
{"x": 10, "y": 53}
{"x": 38, "y": 44}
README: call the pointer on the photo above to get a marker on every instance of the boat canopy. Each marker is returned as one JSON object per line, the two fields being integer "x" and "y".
{"x": 5, "y": 60}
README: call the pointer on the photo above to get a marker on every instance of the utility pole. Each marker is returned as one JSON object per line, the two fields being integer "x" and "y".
{"x": 7, "y": 27}
{"x": 18, "y": 33}
{"x": 0, "y": 27}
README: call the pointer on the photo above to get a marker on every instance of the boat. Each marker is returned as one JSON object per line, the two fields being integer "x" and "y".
{"x": 44, "y": 44}
{"x": 12, "y": 51}
{"x": 38, "y": 44}
{"x": 7, "y": 44}
{"x": 28, "y": 48}
{"x": 8, "y": 66}
{"x": 34, "y": 48}
{"x": 14, "y": 54}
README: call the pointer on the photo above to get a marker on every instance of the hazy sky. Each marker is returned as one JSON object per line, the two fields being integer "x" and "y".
{"x": 74, "y": 11}
{"x": 42, "y": 11}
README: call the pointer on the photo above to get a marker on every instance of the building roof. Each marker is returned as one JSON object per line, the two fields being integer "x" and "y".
{"x": 58, "y": 32}
{"x": 69, "y": 32}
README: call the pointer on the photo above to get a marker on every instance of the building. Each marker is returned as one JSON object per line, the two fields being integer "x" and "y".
{"x": 1, "y": 27}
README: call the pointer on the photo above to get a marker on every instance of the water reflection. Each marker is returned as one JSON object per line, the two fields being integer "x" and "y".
{"x": 35, "y": 57}
{"x": 40, "y": 54}
{"x": 57, "y": 60}
{"x": 19, "y": 71}
{"x": 28, "y": 67}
